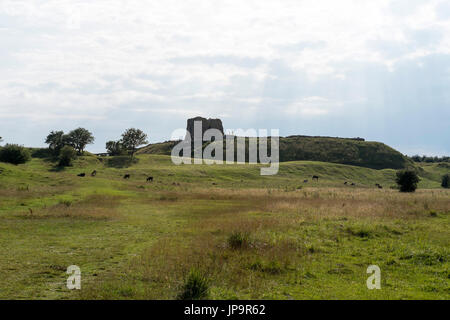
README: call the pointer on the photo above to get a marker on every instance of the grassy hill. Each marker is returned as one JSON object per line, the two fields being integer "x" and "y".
{"x": 138, "y": 240}
{"x": 355, "y": 152}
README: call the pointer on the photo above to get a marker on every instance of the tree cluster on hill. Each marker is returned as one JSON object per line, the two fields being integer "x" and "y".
{"x": 426, "y": 159}
{"x": 66, "y": 147}
{"x": 131, "y": 139}
{"x": 77, "y": 139}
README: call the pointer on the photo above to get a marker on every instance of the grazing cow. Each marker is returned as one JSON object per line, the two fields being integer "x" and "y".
{"x": 150, "y": 179}
{"x": 346, "y": 183}
{"x": 81, "y": 174}
{"x": 380, "y": 187}
{"x": 315, "y": 178}
{"x": 353, "y": 184}
{"x": 305, "y": 181}
{"x": 127, "y": 176}
{"x": 94, "y": 173}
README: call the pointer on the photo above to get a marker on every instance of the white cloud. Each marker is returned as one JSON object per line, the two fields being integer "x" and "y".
{"x": 78, "y": 59}
{"x": 312, "y": 106}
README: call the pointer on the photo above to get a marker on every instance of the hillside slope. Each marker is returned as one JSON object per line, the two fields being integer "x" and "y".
{"x": 355, "y": 152}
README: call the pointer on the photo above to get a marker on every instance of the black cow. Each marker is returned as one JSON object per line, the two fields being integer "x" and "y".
{"x": 346, "y": 183}
{"x": 305, "y": 181}
{"x": 94, "y": 173}
{"x": 353, "y": 184}
{"x": 380, "y": 187}
{"x": 127, "y": 176}
{"x": 315, "y": 178}
{"x": 150, "y": 179}
{"x": 81, "y": 174}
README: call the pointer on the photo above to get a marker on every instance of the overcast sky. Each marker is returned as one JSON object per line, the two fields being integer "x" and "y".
{"x": 373, "y": 69}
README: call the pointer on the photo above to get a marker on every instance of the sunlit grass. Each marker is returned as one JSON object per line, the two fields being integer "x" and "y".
{"x": 247, "y": 236}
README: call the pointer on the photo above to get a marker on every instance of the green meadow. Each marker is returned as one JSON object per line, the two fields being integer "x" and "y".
{"x": 248, "y": 236}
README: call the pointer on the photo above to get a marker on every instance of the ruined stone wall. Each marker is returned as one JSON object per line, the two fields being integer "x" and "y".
{"x": 206, "y": 124}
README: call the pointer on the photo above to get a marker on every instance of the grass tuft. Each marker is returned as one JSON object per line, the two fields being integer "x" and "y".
{"x": 196, "y": 286}
{"x": 239, "y": 240}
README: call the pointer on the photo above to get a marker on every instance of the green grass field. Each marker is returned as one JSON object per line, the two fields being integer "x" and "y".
{"x": 139, "y": 240}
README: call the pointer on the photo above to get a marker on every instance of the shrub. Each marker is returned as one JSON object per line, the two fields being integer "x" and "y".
{"x": 66, "y": 155}
{"x": 121, "y": 161}
{"x": 196, "y": 286}
{"x": 446, "y": 181}
{"x": 238, "y": 240}
{"x": 15, "y": 154}
{"x": 407, "y": 180}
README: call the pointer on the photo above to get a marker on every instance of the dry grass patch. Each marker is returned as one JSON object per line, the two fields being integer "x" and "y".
{"x": 95, "y": 207}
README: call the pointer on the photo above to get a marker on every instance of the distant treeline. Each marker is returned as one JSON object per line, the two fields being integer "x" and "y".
{"x": 426, "y": 159}
{"x": 303, "y": 136}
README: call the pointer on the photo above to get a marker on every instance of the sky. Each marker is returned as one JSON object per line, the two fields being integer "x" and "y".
{"x": 349, "y": 68}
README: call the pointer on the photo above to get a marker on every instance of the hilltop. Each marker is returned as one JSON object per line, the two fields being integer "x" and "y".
{"x": 348, "y": 151}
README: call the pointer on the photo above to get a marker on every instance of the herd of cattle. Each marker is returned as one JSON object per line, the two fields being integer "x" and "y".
{"x": 127, "y": 176}
{"x": 150, "y": 179}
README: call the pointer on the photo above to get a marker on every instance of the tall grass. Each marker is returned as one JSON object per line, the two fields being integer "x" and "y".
{"x": 195, "y": 287}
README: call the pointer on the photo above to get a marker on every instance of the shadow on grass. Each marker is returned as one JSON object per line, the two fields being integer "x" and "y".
{"x": 120, "y": 162}
{"x": 57, "y": 168}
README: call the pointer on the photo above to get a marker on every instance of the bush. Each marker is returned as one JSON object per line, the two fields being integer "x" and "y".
{"x": 238, "y": 240}
{"x": 66, "y": 155}
{"x": 195, "y": 287}
{"x": 15, "y": 154}
{"x": 446, "y": 181}
{"x": 407, "y": 180}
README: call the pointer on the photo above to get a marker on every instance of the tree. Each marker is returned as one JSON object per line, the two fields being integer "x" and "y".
{"x": 66, "y": 155}
{"x": 56, "y": 140}
{"x": 132, "y": 139}
{"x": 15, "y": 154}
{"x": 79, "y": 139}
{"x": 115, "y": 148}
{"x": 407, "y": 180}
{"x": 446, "y": 181}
